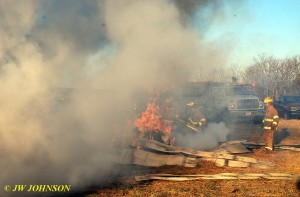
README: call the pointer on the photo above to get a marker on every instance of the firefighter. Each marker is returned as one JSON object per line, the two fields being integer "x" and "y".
{"x": 195, "y": 117}
{"x": 270, "y": 123}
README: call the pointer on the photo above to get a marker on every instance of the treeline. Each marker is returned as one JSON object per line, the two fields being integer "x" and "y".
{"x": 272, "y": 76}
{"x": 275, "y": 76}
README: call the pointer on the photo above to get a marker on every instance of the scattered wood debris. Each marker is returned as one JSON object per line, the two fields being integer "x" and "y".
{"x": 253, "y": 145}
{"x": 153, "y": 154}
{"x": 173, "y": 177}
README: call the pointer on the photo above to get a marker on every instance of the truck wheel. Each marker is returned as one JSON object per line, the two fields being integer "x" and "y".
{"x": 258, "y": 120}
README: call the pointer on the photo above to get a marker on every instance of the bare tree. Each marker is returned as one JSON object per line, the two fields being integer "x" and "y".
{"x": 276, "y": 76}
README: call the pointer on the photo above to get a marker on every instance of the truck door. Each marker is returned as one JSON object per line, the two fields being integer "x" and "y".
{"x": 279, "y": 106}
{"x": 218, "y": 97}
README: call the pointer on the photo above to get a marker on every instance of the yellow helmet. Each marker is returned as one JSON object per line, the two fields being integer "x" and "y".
{"x": 190, "y": 104}
{"x": 268, "y": 100}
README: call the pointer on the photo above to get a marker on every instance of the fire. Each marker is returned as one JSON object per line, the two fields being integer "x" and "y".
{"x": 151, "y": 119}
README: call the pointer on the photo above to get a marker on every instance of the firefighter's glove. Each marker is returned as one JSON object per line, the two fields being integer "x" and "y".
{"x": 274, "y": 126}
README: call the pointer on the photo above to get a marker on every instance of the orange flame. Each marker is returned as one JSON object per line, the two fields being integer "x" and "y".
{"x": 151, "y": 120}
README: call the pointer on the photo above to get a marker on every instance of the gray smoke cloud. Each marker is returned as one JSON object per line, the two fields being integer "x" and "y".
{"x": 69, "y": 72}
{"x": 188, "y": 8}
{"x": 209, "y": 138}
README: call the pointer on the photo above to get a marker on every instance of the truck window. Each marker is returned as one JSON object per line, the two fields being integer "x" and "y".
{"x": 281, "y": 100}
{"x": 217, "y": 91}
{"x": 230, "y": 91}
{"x": 292, "y": 99}
{"x": 191, "y": 91}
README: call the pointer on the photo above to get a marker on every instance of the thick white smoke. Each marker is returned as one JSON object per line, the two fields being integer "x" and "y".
{"x": 68, "y": 78}
{"x": 209, "y": 138}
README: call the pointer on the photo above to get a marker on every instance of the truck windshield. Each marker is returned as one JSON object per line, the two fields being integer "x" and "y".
{"x": 229, "y": 91}
{"x": 292, "y": 99}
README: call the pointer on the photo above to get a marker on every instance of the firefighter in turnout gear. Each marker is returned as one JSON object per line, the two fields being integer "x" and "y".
{"x": 195, "y": 117}
{"x": 270, "y": 123}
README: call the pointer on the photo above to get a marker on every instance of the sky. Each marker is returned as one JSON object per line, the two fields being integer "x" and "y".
{"x": 257, "y": 27}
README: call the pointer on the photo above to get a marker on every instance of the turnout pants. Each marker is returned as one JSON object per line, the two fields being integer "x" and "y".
{"x": 268, "y": 136}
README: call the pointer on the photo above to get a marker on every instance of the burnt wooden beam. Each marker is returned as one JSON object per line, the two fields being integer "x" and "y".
{"x": 152, "y": 153}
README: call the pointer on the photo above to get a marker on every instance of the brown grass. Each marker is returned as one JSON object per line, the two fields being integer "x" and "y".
{"x": 285, "y": 162}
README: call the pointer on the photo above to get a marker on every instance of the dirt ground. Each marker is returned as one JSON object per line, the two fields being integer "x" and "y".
{"x": 285, "y": 161}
